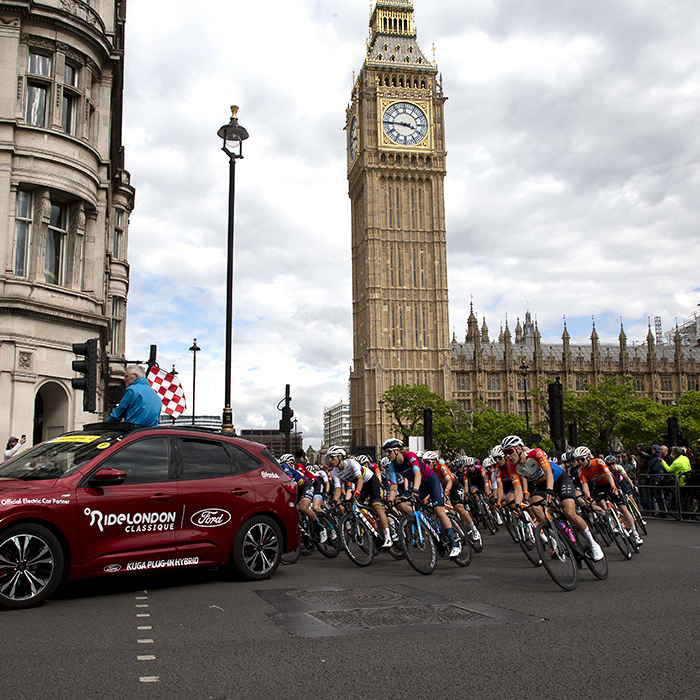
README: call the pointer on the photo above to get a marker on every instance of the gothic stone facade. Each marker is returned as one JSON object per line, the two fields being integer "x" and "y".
{"x": 65, "y": 200}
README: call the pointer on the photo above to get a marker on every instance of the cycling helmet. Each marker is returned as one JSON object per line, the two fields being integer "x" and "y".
{"x": 458, "y": 462}
{"x": 392, "y": 444}
{"x": 429, "y": 456}
{"x": 362, "y": 459}
{"x": 488, "y": 462}
{"x": 384, "y": 463}
{"x": 336, "y": 451}
{"x": 582, "y": 451}
{"x": 469, "y": 461}
{"x": 512, "y": 441}
{"x": 610, "y": 459}
{"x": 497, "y": 452}
{"x": 564, "y": 459}
{"x": 287, "y": 459}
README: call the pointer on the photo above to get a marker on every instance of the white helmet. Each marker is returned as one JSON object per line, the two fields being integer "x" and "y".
{"x": 430, "y": 455}
{"x": 512, "y": 441}
{"x": 469, "y": 461}
{"x": 336, "y": 451}
{"x": 287, "y": 459}
{"x": 497, "y": 452}
{"x": 582, "y": 451}
{"x": 362, "y": 459}
{"x": 488, "y": 462}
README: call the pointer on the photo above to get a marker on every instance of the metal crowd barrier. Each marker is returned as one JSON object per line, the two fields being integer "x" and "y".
{"x": 661, "y": 495}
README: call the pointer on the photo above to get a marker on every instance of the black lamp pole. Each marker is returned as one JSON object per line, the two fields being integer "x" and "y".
{"x": 194, "y": 350}
{"x": 524, "y": 369}
{"x": 233, "y": 135}
{"x": 381, "y": 424}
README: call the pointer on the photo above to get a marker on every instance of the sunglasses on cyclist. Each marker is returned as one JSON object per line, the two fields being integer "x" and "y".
{"x": 509, "y": 450}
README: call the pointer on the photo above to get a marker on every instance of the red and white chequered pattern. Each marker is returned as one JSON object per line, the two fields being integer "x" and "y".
{"x": 170, "y": 390}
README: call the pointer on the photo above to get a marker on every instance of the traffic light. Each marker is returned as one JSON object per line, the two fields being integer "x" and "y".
{"x": 88, "y": 368}
{"x": 287, "y": 413}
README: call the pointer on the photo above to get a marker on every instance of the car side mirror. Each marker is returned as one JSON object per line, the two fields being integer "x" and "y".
{"x": 107, "y": 476}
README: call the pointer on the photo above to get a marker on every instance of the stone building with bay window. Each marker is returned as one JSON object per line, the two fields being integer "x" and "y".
{"x": 65, "y": 200}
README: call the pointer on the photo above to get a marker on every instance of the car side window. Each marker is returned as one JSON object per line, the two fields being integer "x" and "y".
{"x": 144, "y": 461}
{"x": 243, "y": 461}
{"x": 203, "y": 459}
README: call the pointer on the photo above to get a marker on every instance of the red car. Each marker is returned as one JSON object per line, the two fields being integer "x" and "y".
{"x": 110, "y": 500}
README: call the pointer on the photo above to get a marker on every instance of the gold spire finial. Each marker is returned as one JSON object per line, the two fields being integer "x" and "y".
{"x": 433, "y": 49}
{"x": 234, "y": 111}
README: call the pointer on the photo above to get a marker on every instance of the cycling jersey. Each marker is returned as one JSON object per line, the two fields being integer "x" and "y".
{"x": 476, "y": 477}
{"x": 350, "y": 471}
{"x": 596, "y": 472}
{"x": 444, "y": 473}
{"x": 412, "y": 465}
{"x": 534, "y": 469}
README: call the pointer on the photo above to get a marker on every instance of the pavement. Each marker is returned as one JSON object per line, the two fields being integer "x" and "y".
{"x": 499, "y": 629}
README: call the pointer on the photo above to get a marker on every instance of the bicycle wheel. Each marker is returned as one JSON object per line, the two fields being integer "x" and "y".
{"x": 465, "y": 556}
{"x": 526, "y": 540}
{"x": 292, "y": 557}
{"x": 331, "y": 547}
{"x": 638, "y": 519}
{"x": 598, "y": 568}
{"x": 396, "y": 549}
{"x": 356, "y": 540}
{"x": 555, "y": 550}
{"x": 618, "y": 535}
{"x": 491, "y": 522}
{"x": 419, "y": 545}
{"x": 507, "y": 516}
{"x": 600, "y": 527}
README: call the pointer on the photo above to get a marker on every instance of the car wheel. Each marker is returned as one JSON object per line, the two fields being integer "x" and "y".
{"x": 257, "y": 549}
{"x": 31, "y": 565}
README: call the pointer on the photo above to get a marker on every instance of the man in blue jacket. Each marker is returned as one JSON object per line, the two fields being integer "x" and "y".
{"x": 140, "y": 405}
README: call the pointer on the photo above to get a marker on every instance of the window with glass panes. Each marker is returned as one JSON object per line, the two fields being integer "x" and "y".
{"x": 38, "y": 90}
{"x": 55, "y": 244}
{"x": 493, "y": 382}
{"x": 71, "y": 99}
{"x": 116, "y": 324}
{"x": 117, "y": 241}
{"x": 23, "y": 229}
{"x": 495, "y": 404}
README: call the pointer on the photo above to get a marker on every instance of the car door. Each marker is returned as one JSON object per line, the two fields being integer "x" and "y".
{"x": 131, "y": 526}
{"x": 216, "y": 497}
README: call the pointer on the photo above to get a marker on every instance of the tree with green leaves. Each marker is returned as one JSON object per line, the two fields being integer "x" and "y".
{"x": 407, "y": 404}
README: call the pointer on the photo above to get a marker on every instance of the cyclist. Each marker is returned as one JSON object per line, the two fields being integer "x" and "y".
{"x": 366, "y": 485}
{"x": 505, "y": 490}
{"x": 594, "y": 472}
{"x": 305, "y": 492}
{"x": 424, "y": 482}
{"x": 546, "y": 480}
{"x": 452, "y": 490}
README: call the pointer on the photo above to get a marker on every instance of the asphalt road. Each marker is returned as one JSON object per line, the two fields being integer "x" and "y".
{"x": 498, "y": 629}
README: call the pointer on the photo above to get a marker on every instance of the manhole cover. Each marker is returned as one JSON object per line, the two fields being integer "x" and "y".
{"x": 351, "y": 596}
{"x": 370, "y": 618}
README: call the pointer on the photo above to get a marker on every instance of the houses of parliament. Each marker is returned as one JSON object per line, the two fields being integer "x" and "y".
{"x": 396, "y": 165}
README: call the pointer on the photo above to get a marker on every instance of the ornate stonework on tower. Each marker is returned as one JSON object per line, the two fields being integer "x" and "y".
{"x": 396, "y": 171}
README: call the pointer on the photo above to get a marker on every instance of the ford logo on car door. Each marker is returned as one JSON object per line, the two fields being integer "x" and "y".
{"x": 210, "y": 517}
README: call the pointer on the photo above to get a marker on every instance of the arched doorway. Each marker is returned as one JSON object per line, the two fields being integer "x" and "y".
{"x": 50, "y": 412}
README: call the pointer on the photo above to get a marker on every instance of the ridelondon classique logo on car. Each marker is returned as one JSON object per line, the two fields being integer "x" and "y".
{"x": 132, "y": 522}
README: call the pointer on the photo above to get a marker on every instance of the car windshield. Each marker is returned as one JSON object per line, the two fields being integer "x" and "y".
{"x": 57, "y": 457}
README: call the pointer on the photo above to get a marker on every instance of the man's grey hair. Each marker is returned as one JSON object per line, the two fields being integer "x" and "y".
{"x": 136, "y": 370}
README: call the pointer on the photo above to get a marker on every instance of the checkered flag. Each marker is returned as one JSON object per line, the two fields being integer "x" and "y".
{"x": 168, "y": 387}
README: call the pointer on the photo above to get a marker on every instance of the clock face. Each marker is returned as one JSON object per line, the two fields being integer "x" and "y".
{"x": 405, "y": 123}
{"x": 353, "y": 138}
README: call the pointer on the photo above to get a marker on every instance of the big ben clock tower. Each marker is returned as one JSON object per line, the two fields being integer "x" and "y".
{"x": 396, "y": 171}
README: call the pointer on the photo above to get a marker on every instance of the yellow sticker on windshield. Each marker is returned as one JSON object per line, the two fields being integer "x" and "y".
{"x": 76, "y": 438}
{"x": 103, "y": 445}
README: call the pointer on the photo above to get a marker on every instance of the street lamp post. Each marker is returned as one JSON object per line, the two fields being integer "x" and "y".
{"x": 233, "y": 135}
{"x": 296, "y": 434}
{"x": 524, "y": 368}
{"x": 194, "y": 350}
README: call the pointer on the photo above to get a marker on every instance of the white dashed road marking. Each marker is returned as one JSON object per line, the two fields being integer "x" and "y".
{"x": 142, "y": 628}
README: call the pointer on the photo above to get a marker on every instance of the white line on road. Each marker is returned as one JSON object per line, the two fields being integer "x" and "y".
{"x": 149, "y": 679}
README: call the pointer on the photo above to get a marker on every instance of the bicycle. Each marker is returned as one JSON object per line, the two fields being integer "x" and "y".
{"x": 361, "y": 537}
{"x": 619, "y": 532}
{"x": 597, "y": 524}
{"x": 633, "y": 508}
{"x": 563, "y": 550}
{"x": 423, "y": 539}
{"x": 481, "y": 512}
{"x": 525, "y": 531}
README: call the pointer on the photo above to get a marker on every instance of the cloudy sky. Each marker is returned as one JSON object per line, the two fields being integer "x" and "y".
{"x": 572, "y": 186}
